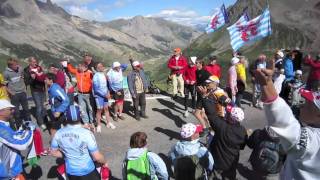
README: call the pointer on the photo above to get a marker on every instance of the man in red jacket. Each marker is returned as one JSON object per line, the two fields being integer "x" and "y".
{"x": 213, "y": 68}
{"x": 314, "y": 76}
{"x": 177, "y": 64}
{"x": 189, "y": 77}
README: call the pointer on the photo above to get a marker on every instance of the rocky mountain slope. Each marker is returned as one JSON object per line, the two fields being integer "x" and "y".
{"x": 295, "y": 23}
{"x": 47, "y": 31}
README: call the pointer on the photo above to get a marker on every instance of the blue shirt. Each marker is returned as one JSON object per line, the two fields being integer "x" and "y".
{"x": 99, "y": 85}
{"x": 115, "y": 79}
{"x": 76, "y": 143}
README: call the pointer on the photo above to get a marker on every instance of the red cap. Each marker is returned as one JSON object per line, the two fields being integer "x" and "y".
{"x": 311, "y": 96}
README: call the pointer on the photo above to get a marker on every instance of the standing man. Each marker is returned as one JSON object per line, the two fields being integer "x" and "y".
{"x": 87, "y": 60}
{"x": 138, "y": 85}
{"x": 213, "y": 68}
{"x": 115, "y": 79}
{"x": 17, "y": 90}
{"x": 78, "y": 147}
{"x": 177, "y": 64}
{"x": 34, "y": 77}
{"x": 11, "y": 142}
{"x": 101, "y": 94}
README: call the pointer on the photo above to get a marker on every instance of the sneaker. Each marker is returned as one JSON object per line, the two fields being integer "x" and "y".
{"x": 145, "y": 116}
{"x": 115, "y": 118}
{"x": 111, "y": 126}
{"x": 98, "y": 129}
{"x": 43, "y": 127}
{"x": 186, "y": 113}
{"x": 121, "y": 117}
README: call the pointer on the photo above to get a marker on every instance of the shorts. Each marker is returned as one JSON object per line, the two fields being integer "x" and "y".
{"x": 118, "y": 97}
{"x": 101, "y": 102}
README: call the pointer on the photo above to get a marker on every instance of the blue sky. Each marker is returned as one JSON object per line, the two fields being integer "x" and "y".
{"x": 189, "y": 12}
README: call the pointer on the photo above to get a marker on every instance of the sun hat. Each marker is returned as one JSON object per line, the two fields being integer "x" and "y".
{"x": 236, "y": 113}
{"x": 187, "y": 130}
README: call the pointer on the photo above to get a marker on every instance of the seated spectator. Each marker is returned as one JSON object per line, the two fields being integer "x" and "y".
{"x": 187, "y": 150}
{"x": 301, "y": 143}
{"x": 229, "y": 138}
{"x": 78, "y": 147}
{"x": 59, "y": 102}
{"x": 140, "y": 163}
{"x": 11, "y": 143}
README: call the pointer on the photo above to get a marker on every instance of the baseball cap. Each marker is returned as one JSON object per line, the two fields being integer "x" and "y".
{"x": 116, "y": 64}
{"x": 193, "y": 59}
{"x": 135, "y": 63}
{"x": 177, "y": 50}
{"x": 213, "y": 79}
{"x": 73, "y": 113}
{"x": 5, "y": 104}
{"x": 311, "y": 96}
{"x": 280, "y": 53}
{"x": 187, "y": 130}
{"x": 298, "y": 72}
{"x": 235, "y": 60}
{"x": 236, "y": 113}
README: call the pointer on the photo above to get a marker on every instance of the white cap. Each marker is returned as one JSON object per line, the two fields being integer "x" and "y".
{"x": 187, "y": 130}
{"x": 193, "y": 59}
{"x": 5, "y": 104}
{"x": 235, "y": 60}
{"x": 280, "y": 53}
{"x": 116, "y": 64}
{"x": 298, "y": 72}
{"x": 135, "y": 63}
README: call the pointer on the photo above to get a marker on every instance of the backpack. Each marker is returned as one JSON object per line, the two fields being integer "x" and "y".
{"x": 189, "y": 167}
{"x": 268, "y": 159}
{"x": 138, "y": 169}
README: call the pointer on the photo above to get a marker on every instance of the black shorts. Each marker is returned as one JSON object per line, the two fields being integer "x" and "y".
{"x": 189, "y": 89}
{"x": 199, "y": 104}
{"x": 116, "y": 96}
{"x": 94, "y": 175}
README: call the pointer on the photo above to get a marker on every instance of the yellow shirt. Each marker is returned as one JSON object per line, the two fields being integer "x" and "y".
{"x": 3, "y": 89}
{"x": 241, "y": 72}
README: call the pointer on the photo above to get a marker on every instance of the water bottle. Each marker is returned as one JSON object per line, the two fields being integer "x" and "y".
{"x": 105, "y": 173}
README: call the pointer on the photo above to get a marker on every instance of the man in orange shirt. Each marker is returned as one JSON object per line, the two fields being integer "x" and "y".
{"x": 84, "y": 86}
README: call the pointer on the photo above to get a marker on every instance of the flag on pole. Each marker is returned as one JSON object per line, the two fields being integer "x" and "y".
{"x": 244, "y": 32}
{"x": 217, "y": 20}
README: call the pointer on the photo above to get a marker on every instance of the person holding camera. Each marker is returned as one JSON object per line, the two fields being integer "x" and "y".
{"x": 11, "y": 143}
{"x": 177, "y": 64}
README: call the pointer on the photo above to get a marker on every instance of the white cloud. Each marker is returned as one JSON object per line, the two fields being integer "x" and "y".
{"x": 72, "y": 2}
{"x": 84, "y": 12}
{"x": 184, "y": 17}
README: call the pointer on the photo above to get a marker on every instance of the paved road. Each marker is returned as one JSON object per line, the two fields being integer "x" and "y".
{"x": 162, "y": 128}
